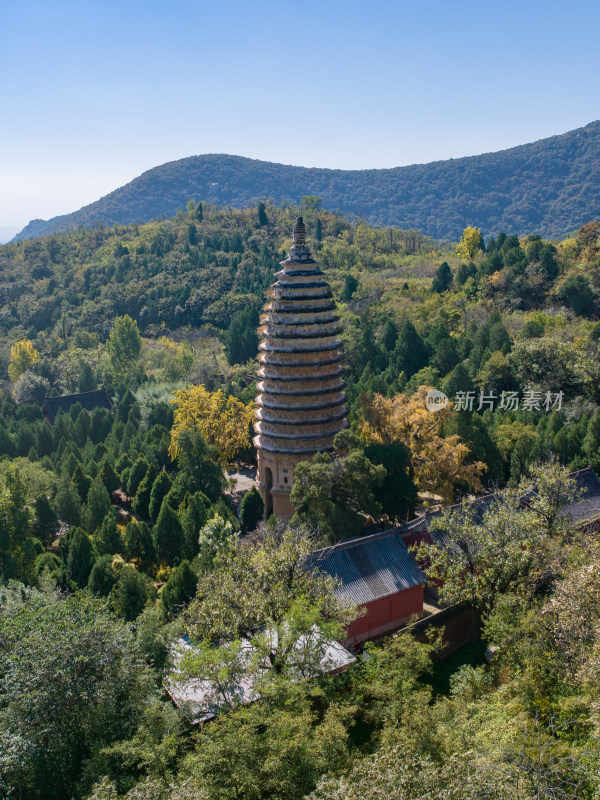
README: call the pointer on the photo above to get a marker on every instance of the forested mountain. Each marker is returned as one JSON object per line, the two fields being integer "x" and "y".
{"x": 549, "y": 187}
{"x": 118, "y": 531}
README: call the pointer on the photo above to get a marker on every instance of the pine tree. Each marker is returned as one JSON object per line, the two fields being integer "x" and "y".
{"x": 141, "y": 502}
{"x": 168, "y": 536}
{"x": 102, "y": 578}
{"x": 252, "y": 510}
{"x": 82, "y": 482}
{"x": 443, "y": 278}
{"x": 262, "y": 215}
{"x": 160, "y": 489}
{"x": 87, "y": 379}
{"x": 98, "y": 505}
{"x": 131, "y": 592}
{"x": 68, "y": 502}
{"x": 108, "y": 476}
{"x": 45, "y": 523}
{"x": 136, "y": 476}
{"x": 410, "y": 354}
{"x": 108, "y": 539}
{"x": 139, "y": 544}
{"x": 194, "y": 516}
{"x": 179, "y": 589}
{"x": 80, "y": 559}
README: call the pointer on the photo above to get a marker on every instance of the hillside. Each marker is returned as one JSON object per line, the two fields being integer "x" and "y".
{"x": 549, "y": 187}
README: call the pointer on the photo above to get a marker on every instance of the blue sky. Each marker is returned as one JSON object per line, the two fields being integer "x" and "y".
{"x": 94, "y": 93}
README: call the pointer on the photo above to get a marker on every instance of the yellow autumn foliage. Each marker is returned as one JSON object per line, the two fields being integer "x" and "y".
{"x": 468, "y": 246}
{"x": 23, "y": 355}
{"x": 223, "y": 421}
{"x": 438, "y": 461}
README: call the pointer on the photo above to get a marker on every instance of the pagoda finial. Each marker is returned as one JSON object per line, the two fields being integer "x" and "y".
{"x": 299, "y": 233}
{"x": 299, "y": 251}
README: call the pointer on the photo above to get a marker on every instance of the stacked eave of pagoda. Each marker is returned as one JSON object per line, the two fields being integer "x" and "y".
{"x": 300, "y": 403}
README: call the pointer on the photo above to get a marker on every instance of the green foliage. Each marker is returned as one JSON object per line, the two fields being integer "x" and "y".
{"x": 397, "y": 493}
{"x": 194, "y": 516}
{"x": 179, "y": 589}
{"x": 216, "y": 539}
{"x": 160, "y": 489}
{"x": 131, "y": 592}
{"x": 167, "y": 536}
{"x": 102, "y": 577}
{"x": 124, "y": 344}
{"x": 141, "y": 503}
{"x": 98, "y": 505}
{"x": 139, "y": 545}
{"x": 108, "y": 538}
{"x": 75, "y": 685}
{"x": 68, "y": 502}
{"x": 252, "y": 510}
{"x": 333, "y": 495}
{"x": 80, "y": 559}
{"x": 241, "y": 338}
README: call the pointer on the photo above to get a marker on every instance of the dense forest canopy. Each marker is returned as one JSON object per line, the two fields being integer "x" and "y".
{"x": 549, "y": 187}
{"x": 119, "y": 530}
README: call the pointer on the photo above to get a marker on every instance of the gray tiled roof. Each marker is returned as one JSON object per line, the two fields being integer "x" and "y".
{"x": 371, "y": 567}
{"x": 88, "y": 400}
{"x": 588, "y": 506}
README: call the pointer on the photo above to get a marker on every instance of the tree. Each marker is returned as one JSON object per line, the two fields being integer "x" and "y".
{"x": 167, "y": 536}
{"x": 262, "y": 215}
{"x": 410, "y": 353}
{"x": 108, "y": 476}
{"x": 30, "y": 389}
{"x": 350, "y": 287}
{"x": 443, "y": 278}
{"x": 194, "y": 515}
{"x": 45, "y": 522}
{"x": 481, "y": 551}
{"x": 252, "y": 510}
{"x": 139, "y": 545}
{"x": 15, "y": 521}
{"x": 160, "y": 489}
{"x": 23, "y": 355}
{"x": 577, "y": 293}
{"x": 102, "y": 577}
{"x": 333, "y": 496}
{"x": 179, "y": 589}
{"x": 124, "y": 344}
{"x": 98, "y": 505}
{"x": 131, "y": 592}
{"x": 241, "y": 338}
{"x": 269, "y": 594}
{"x": 82, "y": 482}
{"x": 108, "y": 539}
{"x": 223, "y": 421}
{"x": 68, "y": 502}
{"x": 439, "y": 462}
{"x": 397, "y": 493}
{"x": 470, "y": 243}
{"x": 217, "y": 537}
{"x": 80, "y": 559}
{"x": 76, "y": 685}
{"x": 141, "y": 502}
{"x": 137, "y": 474}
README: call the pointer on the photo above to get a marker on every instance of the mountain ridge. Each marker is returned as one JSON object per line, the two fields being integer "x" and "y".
{"x": 550, "y": 187}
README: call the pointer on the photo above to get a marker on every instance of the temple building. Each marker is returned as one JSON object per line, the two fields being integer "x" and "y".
{"x": 300, "y": 403}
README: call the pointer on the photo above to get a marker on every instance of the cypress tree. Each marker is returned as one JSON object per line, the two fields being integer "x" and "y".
{"x": 160, "y": 489}
{"x": 98, "y": 505}
{"x": 168, "y": 536}
{"x": 80, "y": 559}
{"x": 82, "y": 482}
{"x": 136, "y": 476}
{"x": 252, "y": 510}
{"x": 194, "y": 517}
{"x": 179, "y": 589}
{"x": 141, "y": 503}
{"x": 108, "y": 539}
{"x": 68, "y": 502}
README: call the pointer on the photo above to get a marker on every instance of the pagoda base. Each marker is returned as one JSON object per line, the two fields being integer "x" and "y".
{"x": 275, "y": 480}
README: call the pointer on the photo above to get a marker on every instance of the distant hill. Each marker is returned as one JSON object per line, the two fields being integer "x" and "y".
{"x": 548, "y": 187}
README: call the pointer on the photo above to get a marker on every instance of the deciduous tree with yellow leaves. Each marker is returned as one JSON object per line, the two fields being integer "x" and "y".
{"x": 223, "y": 421}
{"x": 439, "y": 462}
{"x": 23, "y": 355}
{"x": 470, "y": 243}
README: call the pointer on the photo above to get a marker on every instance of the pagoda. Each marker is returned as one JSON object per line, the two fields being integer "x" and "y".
{"x": 300, "y": 403}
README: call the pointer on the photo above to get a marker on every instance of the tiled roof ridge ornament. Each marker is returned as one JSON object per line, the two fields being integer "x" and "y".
{"x": 299, "y": 251}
